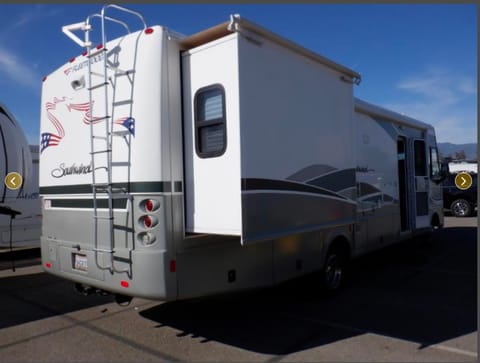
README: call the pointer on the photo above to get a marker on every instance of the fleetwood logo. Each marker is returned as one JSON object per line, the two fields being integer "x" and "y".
{"x": 80, "y": 66}
{"x": 49, "y": 139}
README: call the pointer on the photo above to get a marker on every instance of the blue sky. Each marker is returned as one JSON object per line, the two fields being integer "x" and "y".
{"x": 420, "y": 60}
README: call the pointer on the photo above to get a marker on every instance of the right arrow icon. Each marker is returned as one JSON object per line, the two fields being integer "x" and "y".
{"x": 463, "y": 181}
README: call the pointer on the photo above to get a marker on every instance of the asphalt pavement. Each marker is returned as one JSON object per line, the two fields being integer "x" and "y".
{"x": 412, "y": 302}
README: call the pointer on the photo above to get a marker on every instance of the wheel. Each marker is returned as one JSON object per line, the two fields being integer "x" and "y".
{"x": 333, "y": 274}
{"x": 461, "y": 208}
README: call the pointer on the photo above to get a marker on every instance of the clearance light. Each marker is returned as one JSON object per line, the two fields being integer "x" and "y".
{"x": 72, "y": 60}
{"x": 100, "y": 46}
{"x": 148, "y": 31}
{"x": 124, "y": 283}
{"x": 84, "y": 53}
{"x": 173, "y": 266}
{"x": 48, "y": 265}
{"x": 44, "y": 79}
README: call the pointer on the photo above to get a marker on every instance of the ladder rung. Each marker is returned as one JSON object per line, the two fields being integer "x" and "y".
{"x": 99, "y": 137}
{"x": 96, "y": 119}
{"x": 96, "y": 52}
{"x": 120, "y": 163}
{"x": 121, "y": 103}
{"x": 103, "y": 84}
{"x": 118, "y": 191}
{"x": 121, "y": 73}
{"x": 102, "y": 250}
{"x": 101, "y": 151}
{"x": 104, "y": 218}
{"x": 101, "y": 188}
{"x": 121, "y": 133}
{"x": 101, "y": 184}
{"x": 114, "y": 193}
{"x": 97, "y": 74}
{"x": 123, "y": 228}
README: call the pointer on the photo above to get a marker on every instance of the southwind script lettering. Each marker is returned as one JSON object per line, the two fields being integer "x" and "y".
{"x": 73, "y": 169}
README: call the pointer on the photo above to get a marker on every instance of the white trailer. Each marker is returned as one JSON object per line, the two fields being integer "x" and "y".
{"x": 173, "y": 167}
{"x": 20, "y": 206}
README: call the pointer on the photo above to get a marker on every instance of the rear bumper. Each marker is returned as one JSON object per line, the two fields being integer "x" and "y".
{"x": 147, "y": 273}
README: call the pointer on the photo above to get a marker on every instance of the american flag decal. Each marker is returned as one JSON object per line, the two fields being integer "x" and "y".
{"x": 128, "y": 122}
{"x": 53, "y": 139}
{"x": 49, "y": 139}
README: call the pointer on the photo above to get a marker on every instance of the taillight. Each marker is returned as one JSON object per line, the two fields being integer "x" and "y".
{"x": 148, "y": 221}
{"x": 146, "y": 238}
{"x": 149, "y": 205}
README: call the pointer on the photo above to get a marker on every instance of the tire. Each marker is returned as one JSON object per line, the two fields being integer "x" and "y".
{"x": 334, "y": 270}
{"x": 461, "y": 208}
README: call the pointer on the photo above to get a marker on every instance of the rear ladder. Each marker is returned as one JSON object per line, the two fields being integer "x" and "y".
{"x": 106, "y": 190}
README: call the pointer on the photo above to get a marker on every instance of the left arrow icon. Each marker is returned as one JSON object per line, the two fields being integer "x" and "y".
{"x": 13, "y": 180}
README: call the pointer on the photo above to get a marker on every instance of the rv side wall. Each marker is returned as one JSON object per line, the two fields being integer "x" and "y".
{"x": 297, "y": 142}
{"x": 378, "y": 213}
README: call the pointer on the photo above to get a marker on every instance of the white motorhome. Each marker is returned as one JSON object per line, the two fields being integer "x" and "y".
{"x": 173, "y": 167}
{"x": 20, "y": 207}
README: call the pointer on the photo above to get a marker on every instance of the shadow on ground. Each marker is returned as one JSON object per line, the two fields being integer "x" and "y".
{"x": 32, "y": 297}
{"x": 423, "y": 292}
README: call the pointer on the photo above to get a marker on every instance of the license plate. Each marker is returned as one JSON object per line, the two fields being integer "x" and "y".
{"x": 80, "y": 262}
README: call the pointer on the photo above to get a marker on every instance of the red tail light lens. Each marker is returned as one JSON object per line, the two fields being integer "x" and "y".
{"x": 149, "y": 205}
{"x": 147, "y": 221}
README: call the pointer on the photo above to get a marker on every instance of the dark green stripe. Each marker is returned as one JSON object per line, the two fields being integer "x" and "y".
{"x": 135, "y": 187}
{"x": 177, "y": 187}
{"x": 88, "y": 203}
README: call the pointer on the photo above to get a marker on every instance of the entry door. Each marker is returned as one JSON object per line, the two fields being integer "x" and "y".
{"x": 421, "y": 183}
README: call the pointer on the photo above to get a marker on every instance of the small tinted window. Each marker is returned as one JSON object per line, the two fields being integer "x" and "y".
{"x": 210, "y": 121}
{"x": 434, "y": 163}
{"x": 420, "y": 159}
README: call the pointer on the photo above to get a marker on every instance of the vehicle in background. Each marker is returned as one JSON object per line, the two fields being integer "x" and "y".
{"x": 459, "y": 166}
{"x": 20, "y": 206}
{"x": 461, "y": 203}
